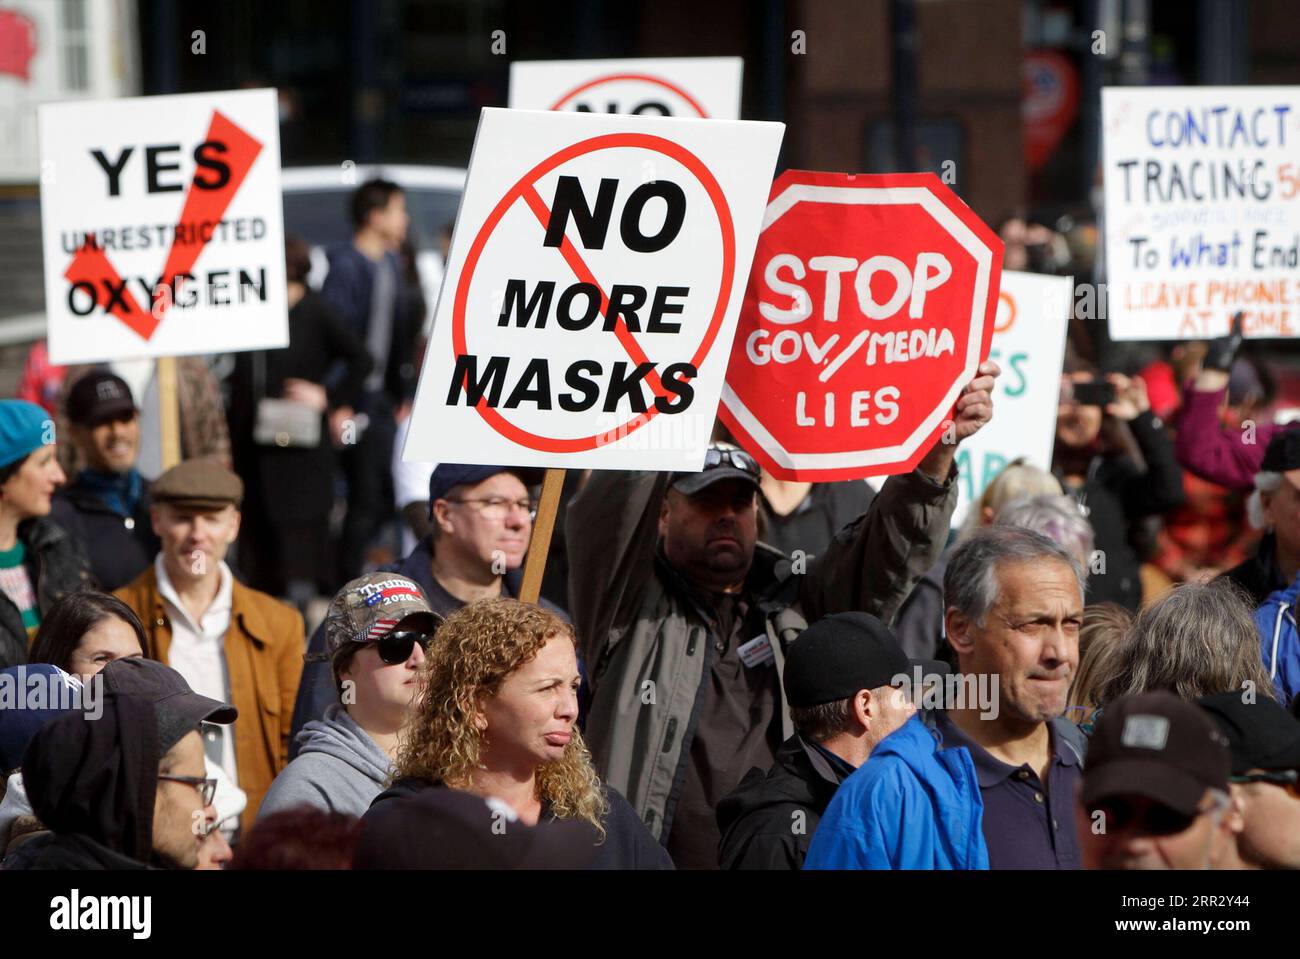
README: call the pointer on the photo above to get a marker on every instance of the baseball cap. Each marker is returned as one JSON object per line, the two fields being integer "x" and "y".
{"x": 1282, "y": 455}
{"x": 1261, "y": 734}
{"x": 722, "y": 461}
{"x": 443, "y": 828}
{"x": 839, "y": 655}
{"x": 446, "y": 476}
{"x": 21, "y": 722}
{"x": 179, "y": 709}
{"x": 1156, "y": 746}
{"x": 200, "y": 483}
{"x": 371, "y": 606}
{"x": 98, "y": 397}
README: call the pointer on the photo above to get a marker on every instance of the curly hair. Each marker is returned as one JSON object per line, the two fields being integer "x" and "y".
{"x": 477, "y": 647}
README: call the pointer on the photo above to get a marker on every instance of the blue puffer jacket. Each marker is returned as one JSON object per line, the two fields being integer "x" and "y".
{"x": 910, "y": 806}
{"x": 1280, "y": 643}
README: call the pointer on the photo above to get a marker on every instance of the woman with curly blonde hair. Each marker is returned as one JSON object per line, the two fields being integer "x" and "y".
{"x": 496, "y": 718}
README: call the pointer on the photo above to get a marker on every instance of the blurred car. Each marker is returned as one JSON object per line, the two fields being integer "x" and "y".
{"x": 316, "y": 209}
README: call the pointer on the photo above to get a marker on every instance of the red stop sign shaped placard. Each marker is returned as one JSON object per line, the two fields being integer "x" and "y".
{"x": 871, "y": 302}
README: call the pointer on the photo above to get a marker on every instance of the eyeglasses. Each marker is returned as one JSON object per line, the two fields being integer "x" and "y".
{"x": 396, "y": 647}
{"x": 207, "y": 787}
{"x": 1288, "y": 779}
{"x": 715, "y": 457}
{"x": 498, "y": 507}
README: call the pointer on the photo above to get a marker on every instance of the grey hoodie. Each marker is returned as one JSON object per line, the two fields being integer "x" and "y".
{"x": 339, "y": 768}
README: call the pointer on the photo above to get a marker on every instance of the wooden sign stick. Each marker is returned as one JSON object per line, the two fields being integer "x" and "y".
{"x": 540, "y": 546}
{"x": 169, "y": 412}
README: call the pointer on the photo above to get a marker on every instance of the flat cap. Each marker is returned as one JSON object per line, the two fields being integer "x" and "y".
{"x": 200, "y": 483}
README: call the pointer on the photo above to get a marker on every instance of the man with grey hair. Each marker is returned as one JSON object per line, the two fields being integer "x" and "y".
{"x": 1014, "y": 604}
{"x": 1275, "y": 508}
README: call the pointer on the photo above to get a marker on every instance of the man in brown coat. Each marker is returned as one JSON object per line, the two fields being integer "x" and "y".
{"x": 230, "y": 642}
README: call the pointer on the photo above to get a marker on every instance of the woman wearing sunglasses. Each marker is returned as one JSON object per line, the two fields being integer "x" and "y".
{"x": 496, "y": 718}
{"x": 377, "y": 630}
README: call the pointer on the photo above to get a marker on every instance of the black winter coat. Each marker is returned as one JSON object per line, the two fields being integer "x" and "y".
{"x": 66, "y": 851}
{"x": 119, "y": 547}
{"x": 57, "y": 565}
{"x": 760, "y": 819}
{"x": 628, "y": 844}
{"x": 294, "y": 485}
{"x": 1258, "y": 575}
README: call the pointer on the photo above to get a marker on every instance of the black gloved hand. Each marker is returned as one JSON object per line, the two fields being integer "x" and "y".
{"x": 1220, "y": 353}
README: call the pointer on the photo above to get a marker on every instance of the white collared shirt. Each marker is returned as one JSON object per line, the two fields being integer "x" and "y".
{"x": 198, "y": 652}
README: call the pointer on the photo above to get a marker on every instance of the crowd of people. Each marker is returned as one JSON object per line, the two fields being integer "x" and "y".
{"x": 724, "y": 670}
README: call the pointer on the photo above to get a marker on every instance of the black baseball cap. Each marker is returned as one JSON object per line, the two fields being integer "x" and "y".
{"x": 839, "y": 655}
{"x": 1282, "y": 455}
{"x": 179, "y": 708}
{"x": 1157, "y": 746}
{"x": 98, "y": 397}
{"x": 446, "y": 476}
{"x": 722, "y": 461}
{"x": 1261, "y": 734}
{"x": 443, "y": 828}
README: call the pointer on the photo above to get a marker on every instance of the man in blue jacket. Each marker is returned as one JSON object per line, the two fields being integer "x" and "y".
{"x": 366, "y": 285}
{"x": 910, "y": 806}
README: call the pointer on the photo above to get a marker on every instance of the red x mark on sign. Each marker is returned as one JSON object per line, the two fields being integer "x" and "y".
{"x": 202, "y": 206}
{"x": 525, "y": 190}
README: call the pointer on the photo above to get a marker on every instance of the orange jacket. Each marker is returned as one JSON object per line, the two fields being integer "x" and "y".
{"x": 264, "y": 648}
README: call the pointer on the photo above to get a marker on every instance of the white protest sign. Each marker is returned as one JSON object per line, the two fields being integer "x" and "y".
{"x": 1029, "y": 345}
{"x": 707, "y": 87}
{"x": 1202, "y": 210}
{"x": 162, "y": 226}
{"x": 592, "y": 289}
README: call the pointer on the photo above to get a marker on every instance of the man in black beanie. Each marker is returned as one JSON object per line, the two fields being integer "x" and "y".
{"x": 841, "y": 678}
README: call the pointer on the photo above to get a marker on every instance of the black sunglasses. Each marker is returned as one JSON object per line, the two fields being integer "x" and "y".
{"x": 396, "y": 647}
{"x": 715, "y": 457}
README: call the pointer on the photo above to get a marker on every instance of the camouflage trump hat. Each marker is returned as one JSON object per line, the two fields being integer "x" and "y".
{"x": 373, "y": 605}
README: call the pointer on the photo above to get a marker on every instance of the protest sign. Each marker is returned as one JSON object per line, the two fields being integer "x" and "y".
{"x": 1029, "y": 344}
{"x": 161, "y": 225}
{"x": 707, "y": 87}
{"x": 1202, "y": 210}
{"x": 592, "y": 290}
{"x": 870, "y": 305}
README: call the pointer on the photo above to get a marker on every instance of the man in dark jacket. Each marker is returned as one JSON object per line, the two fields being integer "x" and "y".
{"x": 482, "y": 520}
{"x": 366, "y": 286}
{"x": 838, "y": 678}
{"x": 106, "y": 506}
{"x": 685, "y": 617}
{"x": 1276, "y": 507}
{"x": 121, "y": 789}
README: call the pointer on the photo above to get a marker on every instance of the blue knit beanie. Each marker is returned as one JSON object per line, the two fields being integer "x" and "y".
{"x": 24, "y": 427}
